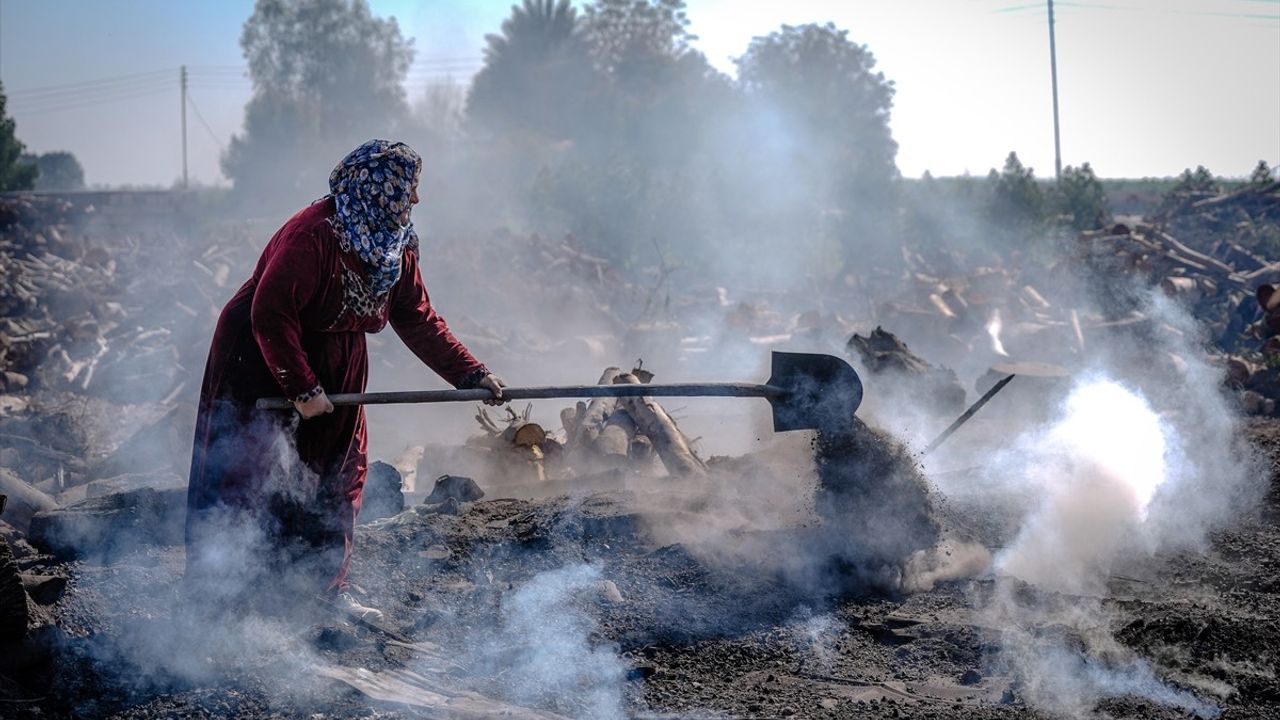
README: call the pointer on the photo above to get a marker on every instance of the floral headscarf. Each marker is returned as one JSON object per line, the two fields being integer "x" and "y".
{"x": 371, "y": 188}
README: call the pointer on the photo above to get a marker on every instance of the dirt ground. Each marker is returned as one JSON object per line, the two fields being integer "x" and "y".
{"x": 632, "y": 625}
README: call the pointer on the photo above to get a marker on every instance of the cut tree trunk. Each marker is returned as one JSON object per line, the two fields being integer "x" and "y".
{"x": 653, "y": 422}
{"x": 613, "y": 445}
{"x": 24, "y": 500}
{"x": 591, "y": 422}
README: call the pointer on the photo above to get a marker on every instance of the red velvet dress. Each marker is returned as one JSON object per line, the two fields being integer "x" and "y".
{"x": 269, "y": 492}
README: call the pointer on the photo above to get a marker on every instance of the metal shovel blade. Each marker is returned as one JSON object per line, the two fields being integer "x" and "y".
{"x": 820, "y": 392}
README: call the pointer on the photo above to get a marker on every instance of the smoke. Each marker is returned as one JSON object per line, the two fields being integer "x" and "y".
{"x": 1126, "y": 471}
{"x": 817, "y": 638}
{"x": 543, "y": 649}
{"x": 1065, "y": 660}
{"x": 1096, "y": 471}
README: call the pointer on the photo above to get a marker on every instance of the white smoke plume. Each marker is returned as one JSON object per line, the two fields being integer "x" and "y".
{"x": 542, "y": 646}
{"x": 1141, "y": 460}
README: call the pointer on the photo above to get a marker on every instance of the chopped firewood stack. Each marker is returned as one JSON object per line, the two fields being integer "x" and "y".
{"x": 629, "y": 431}
{"x": 1208, "y": 253}
{"x": 525, "y": 441}
{"x": 123, "y": 315}
{"x": 604, "y": 434}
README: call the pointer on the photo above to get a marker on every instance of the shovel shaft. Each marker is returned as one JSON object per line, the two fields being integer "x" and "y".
{"x": 540, "y": 393}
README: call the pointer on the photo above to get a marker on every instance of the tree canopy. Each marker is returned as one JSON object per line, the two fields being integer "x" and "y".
{"x": 14, "y": 173}
{"x": 1016, "y": 203}
{"x": 58, "y": 170}
{"x": 1080, "y": 198}
{"x": 820, "y": 114}
{"x": 327, "y": 75}
{"x": 536, "y": 73}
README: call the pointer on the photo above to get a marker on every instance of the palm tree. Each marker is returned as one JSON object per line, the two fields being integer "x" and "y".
{"x": 533, "y": 70}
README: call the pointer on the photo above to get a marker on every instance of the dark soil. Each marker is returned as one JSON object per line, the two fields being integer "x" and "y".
{"x": 776, "y": 632}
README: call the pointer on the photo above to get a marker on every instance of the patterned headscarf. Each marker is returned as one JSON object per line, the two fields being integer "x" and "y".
{"x": 371, "y": 188}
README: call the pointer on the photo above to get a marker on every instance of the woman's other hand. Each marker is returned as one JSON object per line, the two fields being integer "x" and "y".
{"x": 318, "y": 405}
{"x": 493, "y": 384}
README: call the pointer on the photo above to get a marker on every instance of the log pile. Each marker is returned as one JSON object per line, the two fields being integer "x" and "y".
{"x": 1212, "y": 253}
{"x": 627, "y": 432}
{"x": 124, "y": 316}
{"x": 606, "y": 434}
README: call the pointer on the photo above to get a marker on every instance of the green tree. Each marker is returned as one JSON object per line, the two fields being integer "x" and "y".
{"x": 58, "y": 170}
{"x": 626, "y": 183}
{"x": 628, "y": 36}
{"x": 1198, "y": 181}
{"x": 819, "y": 114}
{"x": 14, "y": 173}
{"x": 536, "y": 73}
{"x": 1016, "y": 203}
{"x": 1262, "y": 174}
{"x": 327, "y": 75}
{"x": 1080, "y": 197}
{"x": 655, "y": 90}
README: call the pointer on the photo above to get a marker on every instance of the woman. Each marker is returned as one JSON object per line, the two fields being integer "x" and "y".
{"x": 272, "y": 498}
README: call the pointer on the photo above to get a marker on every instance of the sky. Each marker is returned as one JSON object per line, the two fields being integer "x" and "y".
{"x": 1146, "y": 87}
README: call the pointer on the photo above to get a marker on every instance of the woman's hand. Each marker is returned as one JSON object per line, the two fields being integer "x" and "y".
{"x": 493, "y": 384}
{"x": 318, "y": 405}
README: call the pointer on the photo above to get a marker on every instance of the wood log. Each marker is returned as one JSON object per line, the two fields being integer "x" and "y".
{"x": 1183, "y": 287}
{"x": 24, "y": 501}
{"x": 570, "y": 419}
{"x": 1076, "y": 331}
{"x": 653, "y": 422}
{"x": 1034, "y": 299}
{"x": 613, "y": 445}
{"x": 641, "y": 450}
{"x": 941, "y": 306}
{"x": 598, "y": 410}
{"x": 1210, "y": 264}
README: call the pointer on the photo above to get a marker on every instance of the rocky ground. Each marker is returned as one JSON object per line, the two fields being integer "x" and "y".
{"x": 584, "y": 606}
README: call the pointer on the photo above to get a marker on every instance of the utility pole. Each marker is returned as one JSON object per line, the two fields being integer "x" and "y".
{"x": 182, "y": 80}
{"x": 1053, "y": 67}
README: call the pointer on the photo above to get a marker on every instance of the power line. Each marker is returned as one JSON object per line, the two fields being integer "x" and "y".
{"x": 73, "y": 103}
{"x": 205, "y": 123}
{"x": 1038, "y": 9}
{"x": 90, "y": 91}
{"x": 72, "y": 87}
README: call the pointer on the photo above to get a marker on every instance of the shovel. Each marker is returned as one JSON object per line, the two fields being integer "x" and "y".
{"x": 807, "y": 391}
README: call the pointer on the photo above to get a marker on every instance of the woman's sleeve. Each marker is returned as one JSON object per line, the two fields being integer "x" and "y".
{"x": 288, "y": 282}
{"x": 425, "y": 332}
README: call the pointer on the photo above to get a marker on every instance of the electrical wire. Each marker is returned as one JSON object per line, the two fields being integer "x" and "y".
{"x": 1040, "y": 8}
{"x": 92, "y": 92}
{"x": 205, "y": 123}
{"x": 73, "y": 87}
{"x": 103, "y": 90}
{"x": 92, "y": 96}
{"x": 76, "y": 103}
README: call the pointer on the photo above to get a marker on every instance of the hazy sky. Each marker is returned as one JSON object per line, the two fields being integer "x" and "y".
{"x": 1147, "y": 87}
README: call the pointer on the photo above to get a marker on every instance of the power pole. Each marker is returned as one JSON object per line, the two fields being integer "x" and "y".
{"x": 1053, "y": 67}
{"x": 182, "y": 80}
